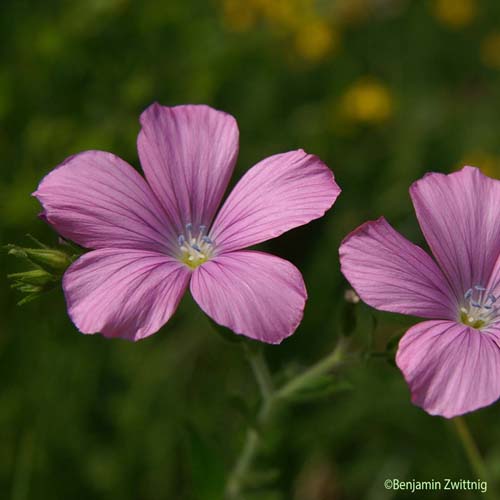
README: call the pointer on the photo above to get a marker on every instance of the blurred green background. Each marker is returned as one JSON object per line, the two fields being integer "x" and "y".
{"x": 381, "y": 90}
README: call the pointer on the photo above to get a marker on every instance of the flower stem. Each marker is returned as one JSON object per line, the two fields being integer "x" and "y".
{"x": 470, "y": 447}
{"x": 320, "y": 368}
{"x": 271, "y": 398}
{"x": 252, "y": 440}
{"x": 260, "y": 370}
{"x": 474, "y": 456}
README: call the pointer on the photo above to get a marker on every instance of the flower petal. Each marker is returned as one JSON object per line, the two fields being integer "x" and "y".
{"x": 188, "y": 155}
{"x": 460, "y": 217}
{"x": 252, "y": 293}
{"x": 451, "y": 368}
{"x": 494, "y": 283}
{"x": 123, "y": 293}
{"x": 98, "y": 200}
{"x": 392, "y": 274}
{"x": 279, "y": 193}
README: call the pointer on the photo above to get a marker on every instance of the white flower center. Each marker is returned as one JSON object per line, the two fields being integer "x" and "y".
{"x": 195, "y": 246}
{"x": 479, "y": 308}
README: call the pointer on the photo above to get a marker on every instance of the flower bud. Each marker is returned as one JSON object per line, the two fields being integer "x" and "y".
{"x": 35, "y": 277}
{"x": 45, "y": 269}
{"x": 33, "y": 283}
{"x": 51, "y": 260}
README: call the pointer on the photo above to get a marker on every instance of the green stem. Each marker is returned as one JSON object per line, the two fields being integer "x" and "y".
{"x": 470, "y": 447}
{"x": 320, "y": 368}
{"x": 249, "y": 451}
{"x": 271, "y": 398}
{"x": 252, "y": 440}
{"x": 473, "y": 455}
{"x": 260, "y": 370}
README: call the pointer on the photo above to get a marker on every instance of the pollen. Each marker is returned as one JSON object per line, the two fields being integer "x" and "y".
{"x": 479, "y": 308}
{"x": 195, "y": 247}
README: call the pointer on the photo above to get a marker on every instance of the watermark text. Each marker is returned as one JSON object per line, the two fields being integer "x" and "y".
{"x": 446, "y": 484}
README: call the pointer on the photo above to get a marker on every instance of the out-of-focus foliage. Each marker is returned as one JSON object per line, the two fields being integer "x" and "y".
{"x": 381, "y": 90}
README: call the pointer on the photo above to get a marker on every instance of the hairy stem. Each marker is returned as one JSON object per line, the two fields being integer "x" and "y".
{"x": 271, "y": 398}
{"x": 473, "y": 454}
{"x": 260, "y": 370}
{"x": 252, "y": 439}
{"x": 320, "y": 368}
{"x": 470, "y": 447}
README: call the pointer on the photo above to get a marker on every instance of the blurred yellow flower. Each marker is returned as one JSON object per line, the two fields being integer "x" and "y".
{"x": 488, "y": 163}
{"x": 238, "y": 16}
{"x": 367, "y": 101}
{"x": 281, "y": 13}
{"x": 312, "y": 36}
{"x": 352, "y": 11}
{"x": 455, "y": 13}
{"x": 314, "y": 40}
{"x": 490, "y": 50}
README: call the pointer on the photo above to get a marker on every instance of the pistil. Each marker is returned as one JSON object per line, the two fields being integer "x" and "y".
{"x": 195, "y": 247}
{"x": 479, "y": 308}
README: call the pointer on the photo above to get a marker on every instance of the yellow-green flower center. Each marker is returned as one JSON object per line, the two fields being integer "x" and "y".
{"x": 195, "y": 247}
{"x": 478, "y": 309}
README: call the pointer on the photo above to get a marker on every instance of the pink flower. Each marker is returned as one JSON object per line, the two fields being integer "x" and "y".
{"x": 152, "y": 238}
{"x": 452, "y": 362}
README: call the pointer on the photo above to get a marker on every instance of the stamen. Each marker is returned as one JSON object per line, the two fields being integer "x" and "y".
{"x": 195, "y": 247}
{"x": 478, "y": 309}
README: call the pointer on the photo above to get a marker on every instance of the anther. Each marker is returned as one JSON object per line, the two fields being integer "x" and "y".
{"x": 478, "y": 309}
{"x": 195, "y": 246}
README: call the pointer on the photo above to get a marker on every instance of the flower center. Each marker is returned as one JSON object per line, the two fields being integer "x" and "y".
{"x": 195, "y": 247}
{"x": 479, "y": 307}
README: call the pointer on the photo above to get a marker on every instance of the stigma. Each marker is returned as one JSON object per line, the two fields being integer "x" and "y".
{"x": 195, "y": 246}
{"x": 479, "y": 307}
